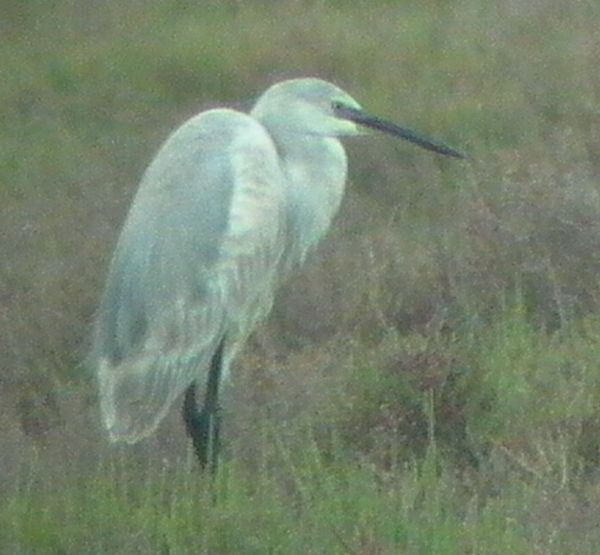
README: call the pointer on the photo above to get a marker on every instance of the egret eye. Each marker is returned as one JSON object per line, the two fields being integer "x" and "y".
{"x": 337, "y": 105}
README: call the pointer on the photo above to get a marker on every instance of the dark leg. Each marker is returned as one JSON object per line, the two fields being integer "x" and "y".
{"x": 203, "y": 426}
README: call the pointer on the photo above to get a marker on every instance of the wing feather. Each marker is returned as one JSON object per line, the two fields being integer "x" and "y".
{"x": 197, "y": 260}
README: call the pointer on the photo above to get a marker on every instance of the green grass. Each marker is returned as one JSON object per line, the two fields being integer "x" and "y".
{"x": 305, "y": 504}
{"x": 353, "y": 478}
{"x": 428, "y": 384}
{"x": 307, "y": 499}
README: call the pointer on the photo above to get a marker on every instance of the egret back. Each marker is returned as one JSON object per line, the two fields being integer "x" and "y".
{"x": 197, "y": 260}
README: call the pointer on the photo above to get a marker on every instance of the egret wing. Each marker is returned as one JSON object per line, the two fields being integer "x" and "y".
{"x": 196, "y": 261}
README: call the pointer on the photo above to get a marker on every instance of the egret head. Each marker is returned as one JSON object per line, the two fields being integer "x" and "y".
{"x": 306, "y": 106}
{"x": 312, "y": 106}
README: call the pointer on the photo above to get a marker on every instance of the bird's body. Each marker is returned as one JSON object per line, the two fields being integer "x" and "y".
{"x": 229, "y": 206}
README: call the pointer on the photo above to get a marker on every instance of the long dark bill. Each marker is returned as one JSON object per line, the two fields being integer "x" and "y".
{"x": 360, "y": 117}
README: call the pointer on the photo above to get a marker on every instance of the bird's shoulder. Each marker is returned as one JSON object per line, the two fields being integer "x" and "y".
{"x": 218, "y": 128}
{"x": 209, "y": 150}
{"x": 214, "y": 187}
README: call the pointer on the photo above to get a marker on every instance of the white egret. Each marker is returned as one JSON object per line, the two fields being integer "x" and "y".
{"x": 229, "y": 206}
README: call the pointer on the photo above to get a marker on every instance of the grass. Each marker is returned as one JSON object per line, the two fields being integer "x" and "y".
{"x": 306, "y": 505}
{"x": 428, "y": 384}
{"x": 304, "y": 498}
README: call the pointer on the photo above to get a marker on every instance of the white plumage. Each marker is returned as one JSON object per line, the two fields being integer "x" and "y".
{"x": 229, "y": 205}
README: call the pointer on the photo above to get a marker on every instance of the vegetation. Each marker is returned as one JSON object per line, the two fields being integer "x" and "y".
{"x": 429, "y": 384}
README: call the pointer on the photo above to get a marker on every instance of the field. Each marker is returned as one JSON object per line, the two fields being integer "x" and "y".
{"x": 428, "y": 384}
